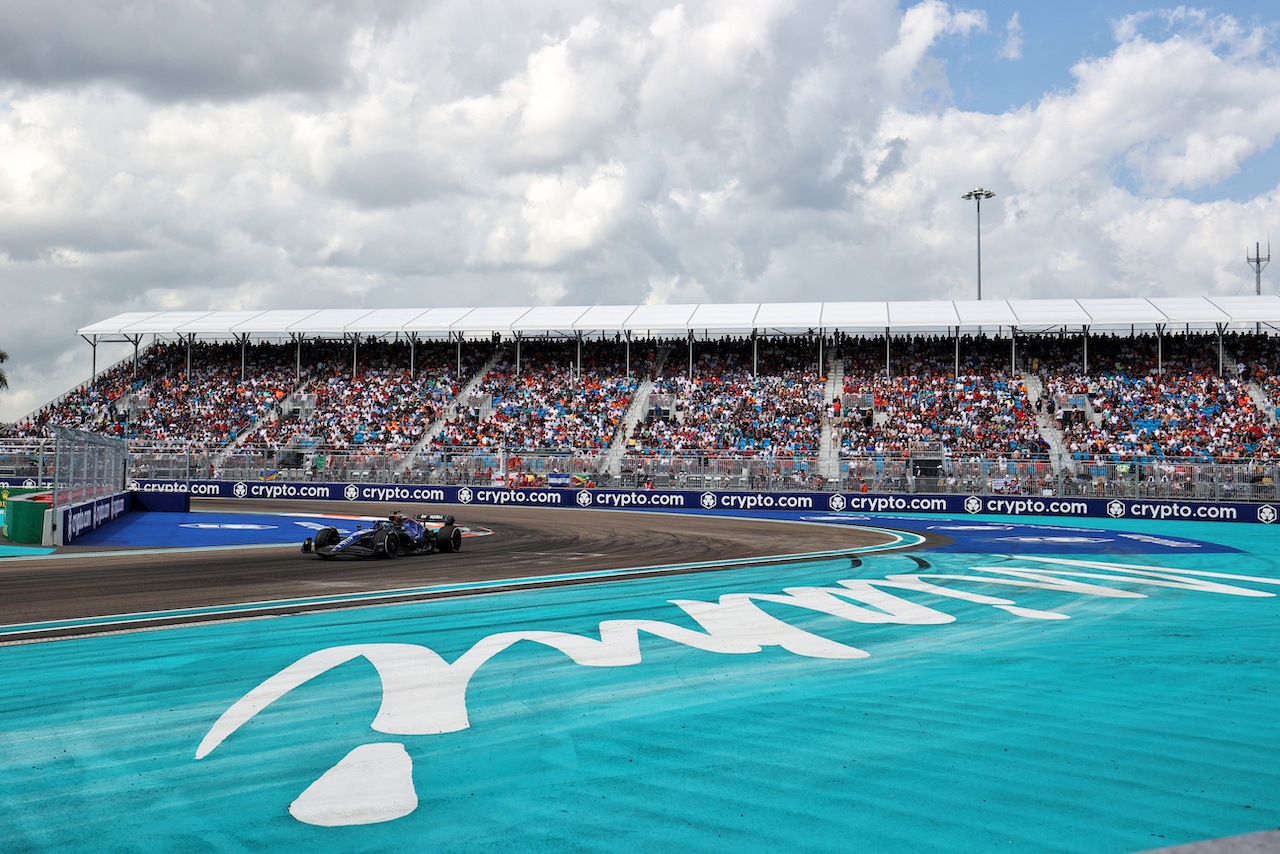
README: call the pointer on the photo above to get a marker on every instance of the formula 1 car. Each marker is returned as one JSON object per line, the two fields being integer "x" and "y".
{"x": 387, "y": 538}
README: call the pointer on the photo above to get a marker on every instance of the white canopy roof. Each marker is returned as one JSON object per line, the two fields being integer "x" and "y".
{"x": 665, "y": 320}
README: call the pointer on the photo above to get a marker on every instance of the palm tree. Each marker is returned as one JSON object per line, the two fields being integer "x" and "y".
{"x": 4, "y": 378}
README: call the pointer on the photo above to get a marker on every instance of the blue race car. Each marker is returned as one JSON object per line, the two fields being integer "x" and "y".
{"x": 397, "y": 535}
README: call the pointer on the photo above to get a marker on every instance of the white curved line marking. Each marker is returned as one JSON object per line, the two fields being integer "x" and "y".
{"x": 370, "y": 785}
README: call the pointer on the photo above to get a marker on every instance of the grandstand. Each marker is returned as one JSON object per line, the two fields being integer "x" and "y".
{"x": 1103, "y": 397}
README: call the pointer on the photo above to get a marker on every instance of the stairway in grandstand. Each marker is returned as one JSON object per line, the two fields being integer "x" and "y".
{"x": 451, "y": 410}
{"x": 1256, "y": 393}
{"x": 828, "y": 441}
{"x": 241, "y": 437}
{"x": 1058, "y": 455}
{"x": 612, "y": 462}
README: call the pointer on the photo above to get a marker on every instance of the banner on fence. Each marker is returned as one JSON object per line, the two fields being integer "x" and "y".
{"x": 82, "y": 518}
{"x": 717, "y": 501}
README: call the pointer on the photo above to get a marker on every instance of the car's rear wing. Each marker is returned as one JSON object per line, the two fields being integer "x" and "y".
{"x": 434, "y": 517}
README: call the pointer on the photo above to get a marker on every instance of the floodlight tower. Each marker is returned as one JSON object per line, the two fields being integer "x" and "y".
{"x": 977, "y": 195}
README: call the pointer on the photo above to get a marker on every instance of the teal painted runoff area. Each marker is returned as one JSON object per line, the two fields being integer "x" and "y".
{"x": 1113, "y": 704}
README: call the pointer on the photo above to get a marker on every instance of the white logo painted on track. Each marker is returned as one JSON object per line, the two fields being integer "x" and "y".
{"x": 1072, "y": 540}
{"x": 227, "y": 526}
{"x": 425, "y": 694}
{"x": 970, "y": 527}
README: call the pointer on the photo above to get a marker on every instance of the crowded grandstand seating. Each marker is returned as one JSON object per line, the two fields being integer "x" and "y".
{"x": 1142, "y": 408}
{"x": 1152, "y": 400}
{"x": 162, "y": 403}
{"x": 548, "y": 403}
{"x": 983, "y": 410}
{"x": 722, "y": 406}
{"x": 381, "y": 409}
{"x": 1258, "y": 361}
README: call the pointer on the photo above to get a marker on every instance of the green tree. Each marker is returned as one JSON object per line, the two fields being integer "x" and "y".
{"x": 4, "y": 378}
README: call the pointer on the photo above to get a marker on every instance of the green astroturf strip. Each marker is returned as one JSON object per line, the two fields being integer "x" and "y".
{"x": 1135, "y": 723}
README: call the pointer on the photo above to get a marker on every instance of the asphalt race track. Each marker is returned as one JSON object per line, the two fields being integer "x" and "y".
{"x": 86, "y": 581}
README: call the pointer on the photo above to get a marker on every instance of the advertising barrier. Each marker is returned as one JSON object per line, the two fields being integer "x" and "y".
{"x": 82, "y": 518}
{"x": 719, "y": 500}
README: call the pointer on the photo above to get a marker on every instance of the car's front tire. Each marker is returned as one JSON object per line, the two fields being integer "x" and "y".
{"x": 385, "y": 543}
{"x": 327, "y": 537}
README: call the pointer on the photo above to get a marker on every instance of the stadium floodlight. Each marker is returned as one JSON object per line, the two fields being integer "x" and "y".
{"x": 977, "y": 195}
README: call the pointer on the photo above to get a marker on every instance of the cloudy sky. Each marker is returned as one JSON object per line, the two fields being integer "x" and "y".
{"x": 373, "y": 153}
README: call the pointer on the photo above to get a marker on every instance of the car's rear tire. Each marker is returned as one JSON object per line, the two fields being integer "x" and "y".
{"x": 327, "y": 537}
{"x": 386, "y": 543}
{"x": 449, "y": 538}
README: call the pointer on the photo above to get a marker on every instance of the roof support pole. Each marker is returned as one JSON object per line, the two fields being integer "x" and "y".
{"x": 244, "y": 341}
{"x": 1219, "y": 325}
{"x": 189, "y": 339}
{"x": 1085, "y": 335}
{"x": 957, "y": 350}
{"x": 413, "y": 347}
{"x": 579, "y": 355}
{"x": 1160, "y": 350}
{"x": 628, "y": 354}
{"x": 821, "y": 364}
{"x": 459, "y": 359}
{"x": 886, "y": 352}
{"x": 518, "y": 354}
{"x": 755, "y": 353}
{"x": 297, "y": 358}
{"x": 690, "y": 355}
{"x": 1013, "y": 351}
{"x": 355, "y": 349}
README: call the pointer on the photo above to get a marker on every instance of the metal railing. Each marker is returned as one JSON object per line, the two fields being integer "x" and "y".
{"x": 1165, "y": 478}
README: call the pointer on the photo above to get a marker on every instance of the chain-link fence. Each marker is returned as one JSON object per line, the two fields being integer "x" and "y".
{"x": 91, "y": 470}
{"x": 87, "y": 466}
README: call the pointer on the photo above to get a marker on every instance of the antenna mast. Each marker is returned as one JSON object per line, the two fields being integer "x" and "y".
{"x": 1258, "y": 263}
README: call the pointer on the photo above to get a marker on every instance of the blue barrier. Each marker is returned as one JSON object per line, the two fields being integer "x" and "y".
{"x": 694, "y": 500}
{"x": 91, "y": 515}
{"x": 162, "y": 502}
